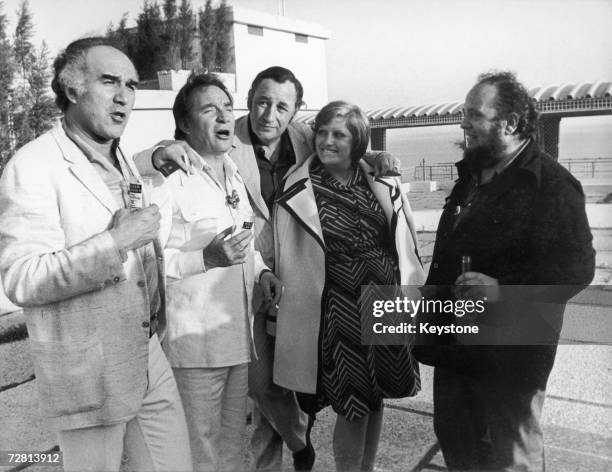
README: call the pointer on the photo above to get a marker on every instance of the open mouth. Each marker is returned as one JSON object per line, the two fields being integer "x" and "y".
{"x": 223, "y": 134}
{"x": 118, "y": 116}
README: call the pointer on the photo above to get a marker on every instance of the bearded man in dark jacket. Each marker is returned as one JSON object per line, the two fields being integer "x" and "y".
{"x": 520, "y": 217}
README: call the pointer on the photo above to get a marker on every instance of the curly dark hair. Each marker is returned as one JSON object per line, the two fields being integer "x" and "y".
{"x": 69, "y": 66}
{"x": 512, "y": 97}
{"x": 182, "y": 104}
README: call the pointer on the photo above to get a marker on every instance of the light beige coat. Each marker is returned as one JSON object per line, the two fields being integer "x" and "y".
{"x": 300, "y": 258}
{"x": 87, "y": 313}
{"x": 244, "y": 157}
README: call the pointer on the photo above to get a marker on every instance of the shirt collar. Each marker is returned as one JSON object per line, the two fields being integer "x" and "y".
{"x": 497, "y": 169}
{"x": 90, "y": 153}
{"x": 527, "y": 161}
{"x": 258, "y": 146}
{"x": 228, "y": 165}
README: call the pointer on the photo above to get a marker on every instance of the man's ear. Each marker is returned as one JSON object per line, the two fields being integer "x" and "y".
{"x": 72, "y": 95}
{"x": 512, "y": 123}
{"x": 297, "y": 108}
{"x": 183, "y": 125}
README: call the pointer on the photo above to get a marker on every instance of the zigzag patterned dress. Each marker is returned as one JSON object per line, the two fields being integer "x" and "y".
{"x": 354, "y": 378}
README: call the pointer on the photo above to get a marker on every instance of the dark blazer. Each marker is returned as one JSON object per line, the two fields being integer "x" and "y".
{"x": 528, "y": 229}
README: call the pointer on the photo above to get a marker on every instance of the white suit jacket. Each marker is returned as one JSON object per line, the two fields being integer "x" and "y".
{"x": 87, "y": 312}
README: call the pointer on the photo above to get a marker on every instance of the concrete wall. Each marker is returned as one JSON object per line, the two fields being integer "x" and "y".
{"x": 278, "y": 46}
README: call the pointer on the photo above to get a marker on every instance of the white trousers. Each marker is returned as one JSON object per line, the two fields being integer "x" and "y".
{"x": 155, "y": 440}
{"x": 215, "y": 406}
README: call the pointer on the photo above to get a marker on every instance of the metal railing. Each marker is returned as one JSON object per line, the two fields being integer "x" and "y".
{"x": 441, "y": 171}
{"x": 600, "y": 167}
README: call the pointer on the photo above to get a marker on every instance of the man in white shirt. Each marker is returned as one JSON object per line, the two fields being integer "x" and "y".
{"x": 212, "y": 266}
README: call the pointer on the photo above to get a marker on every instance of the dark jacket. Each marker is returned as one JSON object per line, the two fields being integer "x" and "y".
{"x": 528, "y": 229}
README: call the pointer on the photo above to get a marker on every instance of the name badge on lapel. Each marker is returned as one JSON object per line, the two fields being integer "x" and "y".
{"x": 139, "y": 194}
{"x": 135, "y": 196}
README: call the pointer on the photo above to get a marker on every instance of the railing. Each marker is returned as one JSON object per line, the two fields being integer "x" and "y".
{"x": 600, "y": 167}
{"x": 442, "y": 171}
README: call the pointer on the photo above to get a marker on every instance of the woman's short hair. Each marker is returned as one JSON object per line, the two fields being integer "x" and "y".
{"x": 182, "y": 102}
{"x": 357, "y": 123}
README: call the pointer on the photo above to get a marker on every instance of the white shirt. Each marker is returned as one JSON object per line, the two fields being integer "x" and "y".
{"x": 209, "y": 312}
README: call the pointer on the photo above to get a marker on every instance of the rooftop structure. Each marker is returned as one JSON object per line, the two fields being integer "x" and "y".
{"x": 258, "y": 41}
{"x": 554, "y": 102}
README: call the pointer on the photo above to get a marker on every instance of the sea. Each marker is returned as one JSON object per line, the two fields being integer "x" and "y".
{"x": 579, "y": 138}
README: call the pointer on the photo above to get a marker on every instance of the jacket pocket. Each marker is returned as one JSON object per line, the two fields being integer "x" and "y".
{"x": 69, "y": 375}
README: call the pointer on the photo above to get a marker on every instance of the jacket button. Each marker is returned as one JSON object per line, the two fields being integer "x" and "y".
{"x": 117, "y": 279}
{"x": 140, "y": 283}
{"x": 145, "y": 324}
{"x": 435, "y": 265}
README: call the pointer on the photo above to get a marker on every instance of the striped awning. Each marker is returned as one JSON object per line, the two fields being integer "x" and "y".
{"x": 546, "y": 94}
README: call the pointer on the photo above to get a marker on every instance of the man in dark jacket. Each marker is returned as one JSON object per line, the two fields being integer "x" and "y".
{"x": 520, "y": 217}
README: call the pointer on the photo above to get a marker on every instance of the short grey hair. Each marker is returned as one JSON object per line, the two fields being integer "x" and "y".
{"x": 69, "y": 68}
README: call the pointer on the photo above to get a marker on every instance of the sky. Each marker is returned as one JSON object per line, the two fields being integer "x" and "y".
{"x": 404, "y": 52}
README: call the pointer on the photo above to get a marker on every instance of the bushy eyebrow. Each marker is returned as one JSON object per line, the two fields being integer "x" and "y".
{"x": 117, "y": 78}
{"x": 228, "y": 103}
{"x": 473, "y": 111}
{"x": 269, "y": 99}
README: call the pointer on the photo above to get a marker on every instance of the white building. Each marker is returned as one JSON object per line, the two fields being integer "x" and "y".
{"x": 261, "y": 40}
{"x": 258, "y": 41}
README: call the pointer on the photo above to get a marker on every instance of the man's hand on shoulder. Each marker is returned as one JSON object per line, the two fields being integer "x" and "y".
{"x": 174, "y": 152}
{"x": 132, "y": 229}
{"x": 384, "y": 163}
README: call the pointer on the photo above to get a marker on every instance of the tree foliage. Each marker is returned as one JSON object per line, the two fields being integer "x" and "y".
{"x": 42, "y": 107}
{"x": 150, "y": 50}
{"x": 170, "y": 34}
{"x": 26, "y": 108}
{"x": 186, "y": 30}
{"x": 121, "y": 36}
{"x": 208, "y": 40}
{"x": 164, "y": 36}
{"x": 222, "y": 34}
{"x": 23, "y": 35}
{"x": 214, "y": 29}
{"x": 6, "y": 80}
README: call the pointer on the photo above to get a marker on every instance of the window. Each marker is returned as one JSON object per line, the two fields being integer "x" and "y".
{"x": 255, "y": 30}
{"x": 301, "y": 38}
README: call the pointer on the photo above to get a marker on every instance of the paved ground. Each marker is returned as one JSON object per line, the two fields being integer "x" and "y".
{"x": 577, "y": 416}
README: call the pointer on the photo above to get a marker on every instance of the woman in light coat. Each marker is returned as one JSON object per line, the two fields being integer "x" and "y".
{"x": 338, "y": 228}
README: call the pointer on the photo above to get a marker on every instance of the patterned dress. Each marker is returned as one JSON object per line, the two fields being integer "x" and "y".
{"x": 352, "y": 377}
